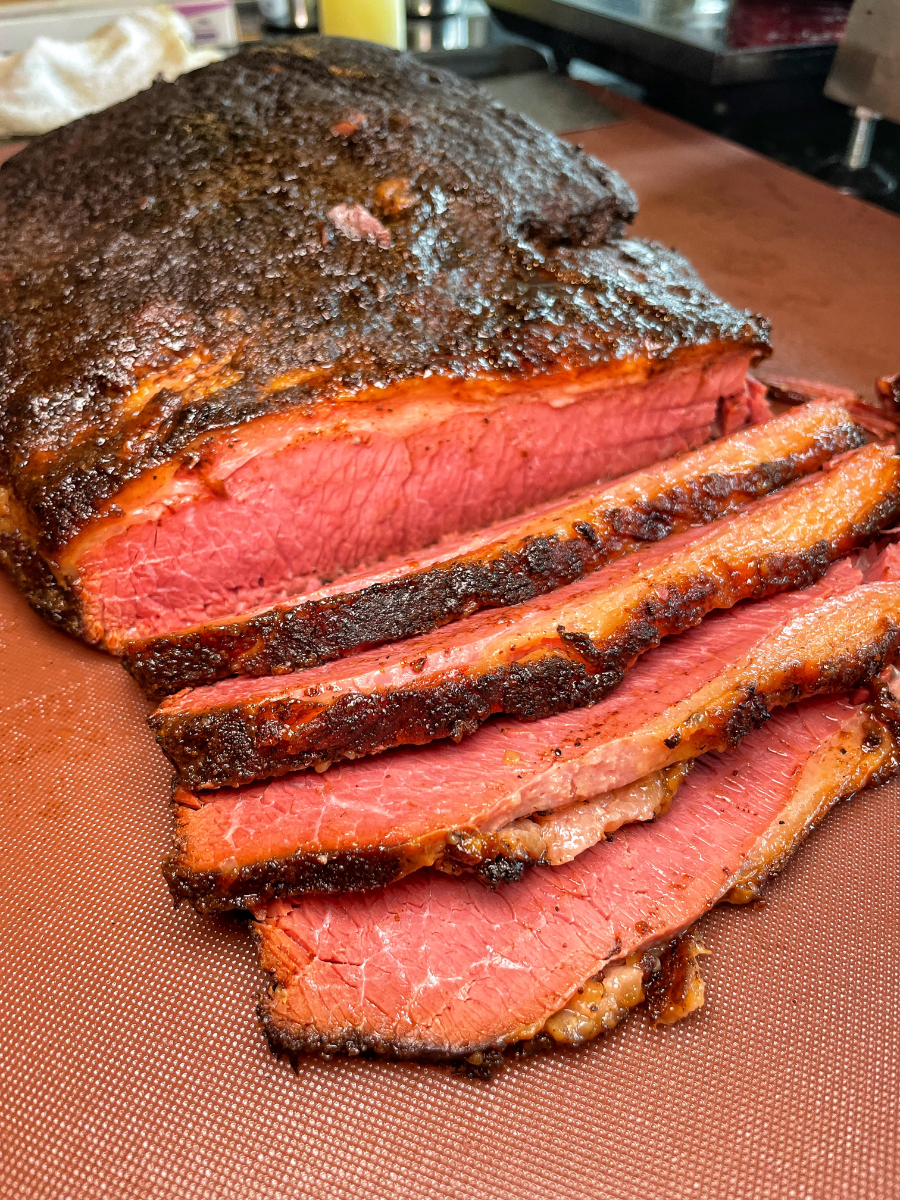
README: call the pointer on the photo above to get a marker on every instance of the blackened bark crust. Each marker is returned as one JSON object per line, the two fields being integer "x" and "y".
{"x": 482, "y": 1062}
{"x": 192, "y": 228}
{"x": 47, "y": 595}
{"x": 295, "y": 1044}
{"x": 292, "y": 875}
{"x": 310, "y": 872}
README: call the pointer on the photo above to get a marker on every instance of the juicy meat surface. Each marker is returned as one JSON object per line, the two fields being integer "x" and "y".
{"x": 437, "y": 967}
{"x": 298, "y": 499}
{"x": 365, "y": 823}
{"x": 885, "y": 568}
{"x": 502, "y": 565}
{"x": 555, "y": 836}
{"x": 565, "y": 650}
{"x": 312, "y": 261}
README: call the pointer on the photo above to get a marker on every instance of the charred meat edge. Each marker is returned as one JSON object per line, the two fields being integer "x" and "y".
{"x": 772, "y": 850}
{"x": 176, "y": 334}
{"x": 499, "y": 857}
{"x": 502, "y": 856}
{"x": 221, "y": 746}
{"x": 866, "y": 754}
{"x": 724, "y": 728}
{"x": 307, "y": 633}
{"x": 665, "y": 977}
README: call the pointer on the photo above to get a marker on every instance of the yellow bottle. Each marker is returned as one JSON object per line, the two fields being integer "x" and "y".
{"x": 381, "y": 21}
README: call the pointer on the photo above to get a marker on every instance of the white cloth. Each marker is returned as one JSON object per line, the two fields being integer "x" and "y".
{"x": 54, "y": 82}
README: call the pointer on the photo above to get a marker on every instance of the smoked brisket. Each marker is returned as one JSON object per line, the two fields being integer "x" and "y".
{"x": 310, "y": 307}
{"x": 502, "y": 565}
{"x": 543, "y": 791}
{"x": 438, "y": 968}
{"x": 561, "y": 651}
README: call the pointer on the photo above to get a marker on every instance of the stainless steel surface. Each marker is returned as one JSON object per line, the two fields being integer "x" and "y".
{"x": 451, "y": 25}
{"x": 854, "y": 173}
{"x": 288, "y": 14}
{"x": 866, "y": 77}
{"x": 682, "y": 37}
{"x": 859, "y": 148}
{"x": 556, "y": 103}
{"x": 434, "y": 8}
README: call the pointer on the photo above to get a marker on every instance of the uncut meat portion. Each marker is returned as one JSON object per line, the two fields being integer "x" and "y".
{"x": 543, "y": 791}
{"x": 436, "y": 967}
{"x": 310, "y": 307}
{"x": 502, "y": 565}
{"x": 561, "y": 651}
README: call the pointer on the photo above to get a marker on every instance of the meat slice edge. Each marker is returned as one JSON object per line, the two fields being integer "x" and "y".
{"x": 436, "y": 968}
{"x": 542, "y": 791}
{"x": 561, "y": 651}
{"x": 504, "y": 564}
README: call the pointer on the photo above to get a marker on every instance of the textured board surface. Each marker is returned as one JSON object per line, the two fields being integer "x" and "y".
{"x": 131, "y": 1065}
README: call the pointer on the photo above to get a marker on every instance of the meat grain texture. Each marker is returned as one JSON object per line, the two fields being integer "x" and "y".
{"x": 319, "y": 305}
{"x": 502, "y": 565}
{"x": 310, "y": 307}
{"x": 475, "y": 805}
{"x": 438, "y": 968}
{"x": 561, "y": 651}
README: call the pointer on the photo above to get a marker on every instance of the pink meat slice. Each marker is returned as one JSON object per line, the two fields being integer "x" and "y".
{"x": 282, "y": 504}
{"x": 509, "y": 769}
{"x": 436, "y": 966}
{"x": 504, "y": 564}
{"x": 564, "y": 650}
{"x": 886, "y": 566}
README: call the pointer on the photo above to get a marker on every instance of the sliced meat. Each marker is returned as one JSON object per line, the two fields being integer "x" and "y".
{"x": 313, "y": 306}
{"x": 560, "y": 651}
{"x": 239, "y": 521}
{"x": 236, "y": 849}
{"x": 502, "y": 565}
{"x": 554, "y": 836}
{"x": 439, "y": 968}
{"x": 542, "y": 791}
{"x": 880, "y": 415}
{"x": 845, "y": 757}
{"x": 886, "y": 566}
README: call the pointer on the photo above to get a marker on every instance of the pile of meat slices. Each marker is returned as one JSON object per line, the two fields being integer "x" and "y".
{"x": 423, "y": 832}
{"x": 335, "y": 308}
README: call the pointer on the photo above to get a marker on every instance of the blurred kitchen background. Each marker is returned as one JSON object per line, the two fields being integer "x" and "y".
{"x": 752, "y": 70}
